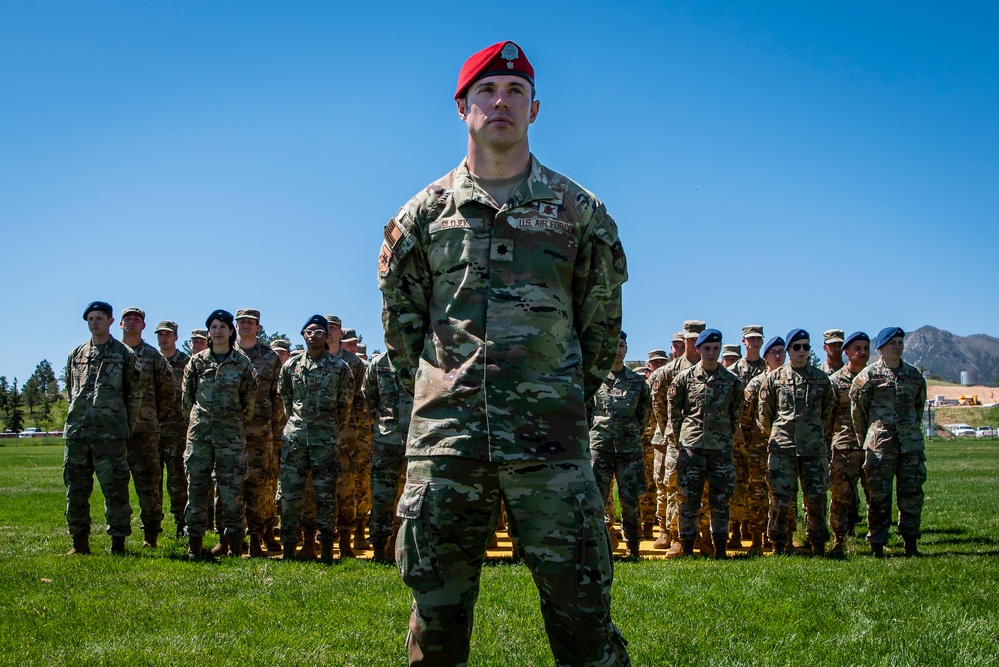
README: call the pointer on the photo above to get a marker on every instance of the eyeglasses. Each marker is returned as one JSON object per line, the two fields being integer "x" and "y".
{"x": 801, "y": 346}
{"x": 314, "y": 332}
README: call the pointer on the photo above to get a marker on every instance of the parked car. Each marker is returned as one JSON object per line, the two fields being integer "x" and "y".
{"x": 964, "y": 430}
{"x": 32, "y": 432}
{"x": 985, "y": 432}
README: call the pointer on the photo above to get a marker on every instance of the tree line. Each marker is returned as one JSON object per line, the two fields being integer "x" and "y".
{"x": 40, "y": 396}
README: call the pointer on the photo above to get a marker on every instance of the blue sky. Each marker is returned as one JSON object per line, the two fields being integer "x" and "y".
{"x": 797, "y": 164}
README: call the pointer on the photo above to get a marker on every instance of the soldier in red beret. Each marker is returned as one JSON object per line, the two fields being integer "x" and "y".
{"x": 502, "y": 295}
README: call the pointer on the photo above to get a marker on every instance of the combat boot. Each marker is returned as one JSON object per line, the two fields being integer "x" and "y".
{"x": 877, "y": 550}
{"x": 308, "y": 551}
{"x": 194, "y": 548}
{"x": 647, "y": 530}
{"x": 345, "y": 550}
{"x": 818, "y": 549}
{"x": 676, "y": 548}
{"x": 117, "y": 546}
{"x": 236, "y": 547}
{"x": 633, "y": 551}
{"x": 664, "y": 540}
{"x": 81, "y": 546}
{"x": 838, "y": 548}
{"x": 706, "y": 546}
{"x": 181, "y": 529}
{"x": 736, "y": 541}
{"x": 614, "y": 539}
{"x": 289, "y": 551}
{"x": 378, "y": 552}
{"x": 149, "y": 538}
{"x": 326, "y": 552}
{"x": 222, "y": 548}
{"x": 910, "y": 547}
{"x": 360, "y": 543}
{"x": 780, "y": 549}
{"x": 720, "y": 543}
{"x": 269, "y": 540}
{"x": 756, "y": 548}
{"x": 255, "y": 550}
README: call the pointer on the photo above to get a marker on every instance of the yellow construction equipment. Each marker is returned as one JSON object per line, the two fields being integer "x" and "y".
{"x": 969, "y": 400}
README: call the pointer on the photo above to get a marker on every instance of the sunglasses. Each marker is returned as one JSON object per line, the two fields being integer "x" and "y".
{"x": 801, "y": 346}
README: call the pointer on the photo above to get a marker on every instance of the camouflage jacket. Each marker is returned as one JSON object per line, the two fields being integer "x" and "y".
{"x": 659, "y": 383}
{"x": 751, "y": 431}
{"x": 747, "y": 370}
{"x": 502, "y": 323}
{"x": 219, "y": 396}
{"x": 388, "y": 404}
{"x": 178, "y": 362}
{"x": 796, "y": 409}
{"x": 317, "y": 395}
{"x": 618, "y": 413}
{"x": 841, "y": 433}
{"x": 158, "y": 391}
{"x": 268, "y": 410}
{"x": 705, "y": 408}
{"x": 829, "y": 370}
{"x": 104, "y": 392}
{"x": 358, "y": 419}
{"x": 887, "y": 408}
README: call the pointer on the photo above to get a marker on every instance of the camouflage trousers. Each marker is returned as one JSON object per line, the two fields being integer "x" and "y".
{"x": 696, "y": 467}
{"x": 315, "y": 466}
{"x": 784, "y": 472}
{"x": 257, "y": 488}
{"x": 82, "y": 459}
{"x": 629, "y": 469}
{"x": 228, "y": 461}
{"x": 664, "y": 466}
{"x": 173, "y": 439}
{"x": 362, "y": 478}
{"x": 346, "y": 490}
{"x": 449, "y": 509}
{"x": 845, "y": 469}
{"x": 388, "y": 474}
{"x": 273, "y": 476}
{"x": 740, "y": 497}
{"x": 144, "y": 465}
{"x": 647, "y": 503}
{"x": 908, "y": 472}
{"x": 756, "y": 499}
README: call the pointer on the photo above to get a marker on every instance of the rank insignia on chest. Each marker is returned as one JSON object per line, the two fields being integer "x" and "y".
{"x": 551, "y": 208}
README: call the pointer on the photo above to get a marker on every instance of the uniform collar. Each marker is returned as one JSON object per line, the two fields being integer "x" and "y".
{"x": 535, "y": 188}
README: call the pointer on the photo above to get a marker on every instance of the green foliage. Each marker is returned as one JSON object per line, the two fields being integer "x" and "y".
{"x": 13, "y": 419}
{"x": 972, "y": 415}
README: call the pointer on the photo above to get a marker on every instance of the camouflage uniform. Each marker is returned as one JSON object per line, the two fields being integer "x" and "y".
{"x": 173, "y": 437}
{"x": 503, "y": 324}
{"x": 104, "y": 393}
{"x": 829, "y": 370}
{"x": 390, "y": 407}
{"x": 741, "y": 456}
{"x": 887, "y": 409}
{"x": 846, "y": 462}
{"x": 795, "y": 411}
{"x": 618, "y": 412}
{"x": 647, "y": 503}
{"x": 316, "y": 395}
{"x": 705, "y": 409}
{"x": 755, "y": 442}
{"x": 219, "y": 397}
{"x": 352, "y": 449}
{"x": 143, "y": 446}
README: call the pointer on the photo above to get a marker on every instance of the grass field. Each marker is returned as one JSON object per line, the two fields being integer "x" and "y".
{"x": 155, "y": 608}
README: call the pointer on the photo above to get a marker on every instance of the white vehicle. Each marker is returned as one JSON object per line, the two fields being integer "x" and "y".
{"x": 985, "y": 432}
{"x": 32, "y": 432}
{"x": 964, "y": 431}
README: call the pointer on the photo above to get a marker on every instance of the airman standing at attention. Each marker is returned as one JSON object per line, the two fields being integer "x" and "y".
{"x": 678, "y": 346}
{"x": 173, "y": 429}
{"x": 731, "y": 353}
{"x": 199, "y": 340}
{"x": 846, "y": 465}
{"x": 887, "y": 400}
{"x": 363, "y": 430}
{"x": 795, "y": 411}
{"x": 752, "y": 364}
{"x": 282, "y": 348}
{"x": 158, "y": 397}
{"x": 656, "y": 359}
{"x": 104, "y": 392}
{"x": 832, "y": 343}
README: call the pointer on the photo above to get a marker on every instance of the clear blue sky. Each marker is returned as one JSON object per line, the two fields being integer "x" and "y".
{"x": 798, "y": 164}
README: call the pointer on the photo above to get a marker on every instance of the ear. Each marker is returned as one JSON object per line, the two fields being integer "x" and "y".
{"x": 535, "y": 106}
{"x": 463, "y": 108}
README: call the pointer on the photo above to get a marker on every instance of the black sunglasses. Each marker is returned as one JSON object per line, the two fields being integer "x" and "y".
{"x": 801, "y": 346}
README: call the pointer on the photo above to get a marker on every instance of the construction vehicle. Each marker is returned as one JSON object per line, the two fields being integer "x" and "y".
{"x": 969, "y": 400}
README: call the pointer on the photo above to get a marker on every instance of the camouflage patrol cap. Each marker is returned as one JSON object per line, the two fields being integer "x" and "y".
{"x": 248, "y": 314}
{"x": 692, "y": 328}
{"x": 199, "y": 333}
{"x": 658, "y": 355}
{"x": 280, "y": 344}
{"x": 752, "y": 331}
{"x": 348, "y": 335}
{"x": 832, "y": 336}
{"x": 642, "y": 370}
{"x": 333, "y": 319}
{"x": 677, "y": 337}
{"x": 362, "y": 348}
{"x": 132, "y": 310}
{"x": 731, "y": 350}
{"x": 99, "y": 306}
{"x": 166, "y": 325}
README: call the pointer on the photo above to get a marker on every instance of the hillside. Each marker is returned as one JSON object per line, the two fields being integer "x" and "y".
{"x": 942, "y": 353}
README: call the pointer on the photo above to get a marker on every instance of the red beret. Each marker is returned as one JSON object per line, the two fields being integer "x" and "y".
{"x": 500, "y": 58}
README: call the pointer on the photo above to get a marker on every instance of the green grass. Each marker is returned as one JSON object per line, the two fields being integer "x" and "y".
{"x": 971, "y": 415}
{"x": 155, "y": 608}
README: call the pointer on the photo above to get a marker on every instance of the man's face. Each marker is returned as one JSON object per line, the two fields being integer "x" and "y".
{"x": 99, "y": 323}
{"x": 775, "y": 356}
{"x": 798, "y": 351}
{"x": 691, "y": 349}
{"x": 199, "y": 344}
{"x": 335, "y": 333}
{"x": 315, "y": 338}
{"x": 677, "y": 348}
{"x": 729, "y": 361}
{"x": 282, "y": 355}
{"x": 219, "y": 332}
{"x": 892, "y": 351}
{"x": 753, "y": 344}
{"x": 349, "y": 345}
{"x": 132, "y": 324}
{"x": 834, "y": 350}
{"x": 655, "y": 363}
{"x": 247, "y": 327}
{"x": 167, "y": 339}
{"x": 498, "y": 110}
{"x": 858, "y": 352}
{"x": 710, "y": 352}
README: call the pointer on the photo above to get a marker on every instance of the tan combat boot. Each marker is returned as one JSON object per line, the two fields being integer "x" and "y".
{"x": 360, "y": 543}
{"x": 308, "y": 551}
{"x": 222, "y": 548}
{"x": 736, "y": 541}
{"x": 270, "y": 539}
{"x": 344, "y": 545}
{"x": 706, "y": 544}
{"x": 255, "y": 549}
{"x": 664, "y": 540}
{"x": 756, "y": 548}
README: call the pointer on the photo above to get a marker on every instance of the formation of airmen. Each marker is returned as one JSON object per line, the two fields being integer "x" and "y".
{"x": 728, "y": 441}
{"x": 242, "y": 432}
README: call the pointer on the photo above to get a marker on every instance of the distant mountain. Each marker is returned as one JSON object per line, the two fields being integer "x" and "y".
{"x": 942, "y": 353}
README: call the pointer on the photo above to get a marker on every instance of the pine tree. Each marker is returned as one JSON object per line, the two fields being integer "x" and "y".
{"x": 14, "y": 419}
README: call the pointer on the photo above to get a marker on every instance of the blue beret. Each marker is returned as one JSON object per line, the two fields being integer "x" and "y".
{"x": 797, "y": 334}
{"x": 624, "y": 336}
{"x": 773, "y": 342}
{"x": 318, "y": 320}
{"x": 708, "y": 336}
{"x": 887, "y": 334}
{"x": 101, "y": 306}
{"x": 223, "y": 315}
{"x": 856, "y": 335}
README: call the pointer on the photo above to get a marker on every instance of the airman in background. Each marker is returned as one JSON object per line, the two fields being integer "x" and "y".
{"x": 752, "y": 364}
{"x": 731, "y": 353}
{"x": 363, "y": 432}
{"x": 678, "y": 345}
{"x": 746, "y": 368}
{"x": 173, "y": 429}
{"x": 656, "y": 359}
{"x": 362, "y": 351}
{"x": 282, "y": 348}
{"x": 832, "y": 343}
{"x": 143, "y": 446}
{"x": 199, "y": 340}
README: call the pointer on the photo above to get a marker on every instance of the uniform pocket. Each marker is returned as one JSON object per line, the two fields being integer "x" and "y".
{"x": 593, "y": 563}
{"x": 415, "y": 551}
